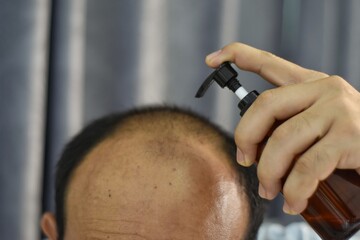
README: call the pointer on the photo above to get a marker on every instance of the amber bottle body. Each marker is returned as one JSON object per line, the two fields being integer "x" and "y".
{"x": 334, "y": 210}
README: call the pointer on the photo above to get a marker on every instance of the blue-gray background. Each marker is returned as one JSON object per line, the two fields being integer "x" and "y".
{"x": 64, "y": 63}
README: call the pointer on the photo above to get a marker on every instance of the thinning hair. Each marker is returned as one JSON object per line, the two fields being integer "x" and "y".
{"x": 163, "y": 120}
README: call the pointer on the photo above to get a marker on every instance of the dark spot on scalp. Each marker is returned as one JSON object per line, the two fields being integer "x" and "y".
{"x": 155, "y": 187}
{"x": 174, "y": 169}
{"x": 170, "y": 183}
{"x": 109, "y": 195}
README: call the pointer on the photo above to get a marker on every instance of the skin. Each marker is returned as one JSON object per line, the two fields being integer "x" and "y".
{"x": 322, "y": 111}
{"x": 171, "y": 187}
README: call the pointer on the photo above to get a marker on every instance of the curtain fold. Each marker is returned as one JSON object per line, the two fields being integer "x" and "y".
{"x": 23, "y": 93}
{"x": 65, "y": 85}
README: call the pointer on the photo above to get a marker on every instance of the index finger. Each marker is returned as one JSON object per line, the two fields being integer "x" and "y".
{"x": 272, "y": 68}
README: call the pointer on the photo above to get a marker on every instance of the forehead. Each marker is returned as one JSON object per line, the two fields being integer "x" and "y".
{"x": 154, "y": 187}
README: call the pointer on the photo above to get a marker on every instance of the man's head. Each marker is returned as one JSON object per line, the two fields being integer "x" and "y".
{"x": 154, "y": 173}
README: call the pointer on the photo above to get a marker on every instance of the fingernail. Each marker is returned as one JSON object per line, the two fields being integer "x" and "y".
{"x": 262, "y": 191}
{"x": 287, "y": 209}
{"x": 213, "y": 55}
{"x": 240, "y": 157}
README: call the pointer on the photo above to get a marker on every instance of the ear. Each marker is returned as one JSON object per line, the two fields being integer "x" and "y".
{"x": 48, "y": 226}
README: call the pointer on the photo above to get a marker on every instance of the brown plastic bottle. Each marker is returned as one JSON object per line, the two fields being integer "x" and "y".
{"x": 334, "y": 209}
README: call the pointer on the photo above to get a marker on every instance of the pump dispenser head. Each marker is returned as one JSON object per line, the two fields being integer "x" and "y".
{"x": 225, "y": 76}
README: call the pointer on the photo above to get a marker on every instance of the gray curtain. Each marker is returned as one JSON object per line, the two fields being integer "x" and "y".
{"x": 64, "y": 63}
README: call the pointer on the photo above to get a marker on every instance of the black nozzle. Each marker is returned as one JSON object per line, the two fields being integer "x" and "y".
{"x": 225, "y": 76}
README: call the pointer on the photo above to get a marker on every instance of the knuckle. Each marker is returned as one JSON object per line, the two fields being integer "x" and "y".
{"x": 304, "y": 122}
{"x": 317, "y": 163}
{"x": 280, "y": 133}
{"x": 336, "y": 79}
{"x": 340, "y": 93}
{"x": 304, "y": 166}
{"x": 336, "y": 83}
{"x": 342, "y": 100}
{"x": 264, "y": 99}
{"x": 295, "y": 127}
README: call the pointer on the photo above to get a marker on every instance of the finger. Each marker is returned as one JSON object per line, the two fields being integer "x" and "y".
{"x": 315, "y": 165}
{"x": 272, "y": 106}
{"x": 272, "y": 68}
{"x": 289, "y": 140}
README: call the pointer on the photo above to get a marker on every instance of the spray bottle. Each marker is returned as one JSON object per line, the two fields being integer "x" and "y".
{"x": 333, "y": 211}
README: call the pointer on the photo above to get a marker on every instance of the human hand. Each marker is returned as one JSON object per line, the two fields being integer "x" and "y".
{"x": 319, "y": 131}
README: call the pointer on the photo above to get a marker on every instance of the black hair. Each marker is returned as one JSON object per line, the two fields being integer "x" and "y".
{"x": 94, "y": 133}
